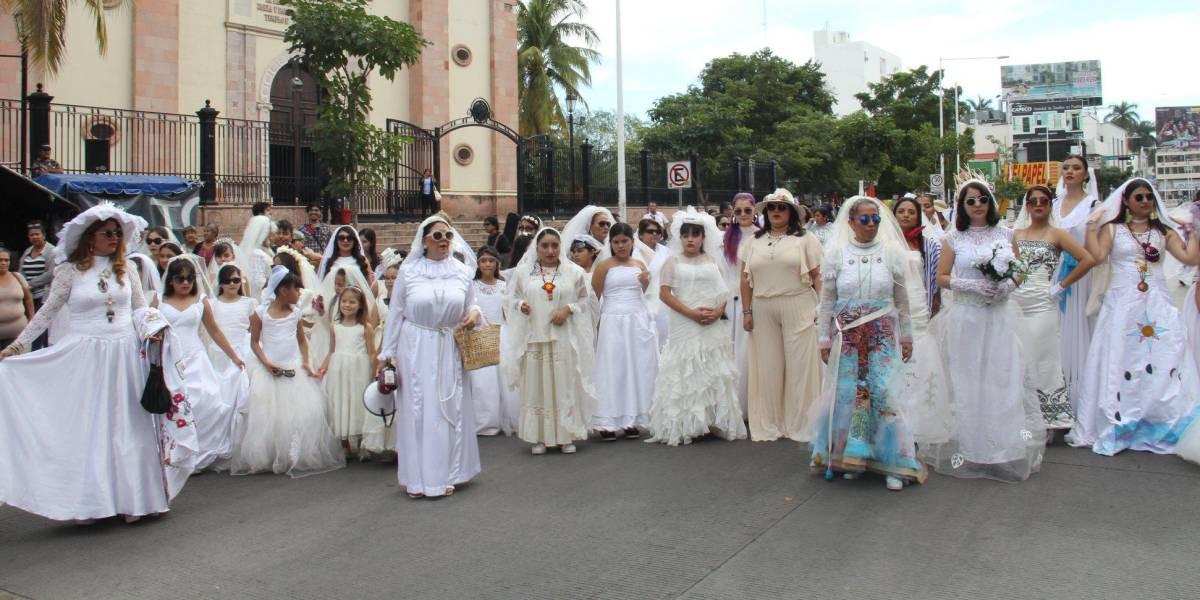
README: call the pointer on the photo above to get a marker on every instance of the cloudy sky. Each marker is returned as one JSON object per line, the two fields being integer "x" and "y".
{"x": 1149, "y": 51}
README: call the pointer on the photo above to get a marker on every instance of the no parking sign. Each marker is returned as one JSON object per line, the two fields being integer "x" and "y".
{"x": 679, "y": 175}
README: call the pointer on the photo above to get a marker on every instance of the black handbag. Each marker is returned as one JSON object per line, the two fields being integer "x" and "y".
{"x": 156, "y": 398}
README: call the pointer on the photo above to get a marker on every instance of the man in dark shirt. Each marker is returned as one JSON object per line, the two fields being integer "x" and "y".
{"x": 44, "y": 164}
{"x": 495, "y": 239}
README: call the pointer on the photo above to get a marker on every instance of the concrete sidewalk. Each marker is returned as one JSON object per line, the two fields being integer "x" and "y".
{"x": 633, "y": 520}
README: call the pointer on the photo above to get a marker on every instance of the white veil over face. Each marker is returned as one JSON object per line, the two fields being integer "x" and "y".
{"x": 354, "y": 279}
{"x": 331, "y": 251}
{"x": 458, "y": 246}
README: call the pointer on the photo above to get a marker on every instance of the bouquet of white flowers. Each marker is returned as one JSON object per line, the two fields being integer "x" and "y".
{"x": 1002, "y": 264}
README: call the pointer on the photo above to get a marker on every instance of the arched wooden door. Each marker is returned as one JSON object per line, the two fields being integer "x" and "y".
{"x": 295, "y": 172}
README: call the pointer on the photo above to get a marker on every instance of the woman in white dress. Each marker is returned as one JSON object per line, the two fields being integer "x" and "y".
{"x": 997, "y": 429}
{"x": 255, "y": 256}
{"x": 1076, "y": 195}
{"x": 216, "y": 397}
{"x": 343, "y": 264}
{"x": 1041, "y": 245}
{"x": 741, "y": 230}
{"x": 626, "y": 343}
{"x": 1140, "y": 386}
{"x": 695, "y": 390}
{"x": 497, "y": 408}
{"x": 81, "y": 447}
{"x": 650, "y": 230}
{"x": 435, "y": 418}
{"x": 860, "y": 423}
{"x": 285, "y": 430}
{"x": 548, "y": 347}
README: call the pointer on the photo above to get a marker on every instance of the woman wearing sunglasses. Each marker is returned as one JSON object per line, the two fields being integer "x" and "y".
{"x": 435, "y": 420}
{"x": 741, "y": 230}
{"x": 1041, "y": 245}
{"x": 996, "y": 430}
{"x": 1140, "y": 383}
{"x": 782, "y": 278}
{"x": 344, "y": 257}
{"x": 231, "y": 310}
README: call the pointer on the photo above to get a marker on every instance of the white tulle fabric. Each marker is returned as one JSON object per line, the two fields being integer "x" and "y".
{"x": 82, "y": 447}
{"x": 257, "y": 261}
{"x": 285, "y": 430}
{"x": 497, "y": 407}
{"x": 217, "y": 397}
{"x": 695, "y": 390}
{"x": 349, "y": 373}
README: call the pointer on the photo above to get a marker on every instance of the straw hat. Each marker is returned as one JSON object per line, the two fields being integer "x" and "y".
{"x": 779, "y": 196}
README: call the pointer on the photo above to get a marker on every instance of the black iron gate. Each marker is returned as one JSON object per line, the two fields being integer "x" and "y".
{"x": 404, "y": 186}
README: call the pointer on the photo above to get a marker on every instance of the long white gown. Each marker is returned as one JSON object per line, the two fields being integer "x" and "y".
{"x": 497, "y": 407}
{"x": 696, "y": 387}
{"x": 285, "y": 427}
{"x": 1076, "y": 326}
{"x": 1038, "y": 330}
{"x": 216, "y": 398}
{"x": 626, "y": 354}
{"x": 997, "y": 430}
{"x": 927, "y": 393}
{"x": 1141, "y": 384}
{"x": 349, "y": 374}
{"x": 435, "y": 418}
{"x": 81, "y": 446}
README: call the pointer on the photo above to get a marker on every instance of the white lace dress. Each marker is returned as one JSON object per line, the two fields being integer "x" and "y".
{"x": 81, "y": 446}
{"x": 1140, "y": 387}
{"x": 1038, "y": 330}
{"x": 497, "y": 407}
{"x": 695, "y": 392}
{"x": 285, "y": 428}
{"x": 997, "y": 430}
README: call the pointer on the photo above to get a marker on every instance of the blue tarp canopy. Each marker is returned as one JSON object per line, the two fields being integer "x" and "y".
{"x": 116, "y": 185}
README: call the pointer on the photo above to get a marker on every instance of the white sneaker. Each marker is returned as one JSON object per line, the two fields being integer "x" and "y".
{"x": 851, "y": 475}
{"x": 568, "y": 449}
{"x": 894, "y": 483}
{"x": 538, "y": 449}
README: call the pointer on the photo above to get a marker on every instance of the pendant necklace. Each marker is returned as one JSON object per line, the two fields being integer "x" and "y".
{"x": 548, "y": 286}
{"x": 102, "y": 285}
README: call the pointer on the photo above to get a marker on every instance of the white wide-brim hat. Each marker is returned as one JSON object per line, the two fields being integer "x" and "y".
{"x": 380, "y": 405}
{"x": 779, "y": 196}
{"x": 72, "y": 233}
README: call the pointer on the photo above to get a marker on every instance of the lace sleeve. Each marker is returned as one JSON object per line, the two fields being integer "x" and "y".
{"x": 60, "y": 292}
{"x": 828, "y": 302}
{"x": 137, "y": 296}
{"x": 666, "y": 276}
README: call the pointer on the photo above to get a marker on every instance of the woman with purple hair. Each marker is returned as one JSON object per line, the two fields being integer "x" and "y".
{"x": 743, "y": 228}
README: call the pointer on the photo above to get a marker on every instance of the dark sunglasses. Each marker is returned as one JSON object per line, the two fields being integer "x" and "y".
{"x": 344, "y": 238}
{"x": 604, "y": 224}
{"x": 776, "y": 207}
{"x": 975, "y": 201}
{"x": 653, "y": 232}
{"x": 1038, "y": 201}
{"x": 743, "y": 211}
{"x": 722, "y": 225}
{"x": 154, "y": 241}
{"x": 869, "y": 219}
{"x": 112, "y": 233}
{"x": 1142, "y": 197}
{"x": 233, "y": 281}
{"x": 438, "y": 235}
{"x": 183, "y": 279}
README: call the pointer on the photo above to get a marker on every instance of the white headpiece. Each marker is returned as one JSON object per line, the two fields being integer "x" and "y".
{"x": 1084, "y": 209}
{"x": 1092, "y": 188}
{"x": 581, "y": 223}
{"x": 525, "y": 265}
{"x": 889, "y": 233}
{"x": 458, "y": 246}
{"x": 592, "y": 242}
{"x": 258, "y": 229}
{"x": 354, "y": 279}
{"x": 713, "y": 236}
{"x": 1023, "y": 218}
{"x": 202, "y": 280}
{"x": 72, "y": 232}
{"x": 308, "y": 275}
{"x": 779, "y": 196}
{"x": 278, "y": 272}
{"x": 331, "y": 250}
{"x": 1112, "y": 205}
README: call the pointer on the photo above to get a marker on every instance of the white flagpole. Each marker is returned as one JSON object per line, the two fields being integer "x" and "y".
{"x": 620, "y": 124}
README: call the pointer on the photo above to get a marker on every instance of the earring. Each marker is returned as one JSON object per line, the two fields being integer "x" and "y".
{"x": 1154, "y": 215}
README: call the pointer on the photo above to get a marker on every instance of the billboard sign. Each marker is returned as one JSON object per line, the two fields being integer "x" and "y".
{"x": 1035, "y": 172}
{"x": 1052, "y": 86}
{"x": 1178, "y": 127}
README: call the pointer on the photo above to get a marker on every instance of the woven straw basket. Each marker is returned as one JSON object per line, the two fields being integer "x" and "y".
{"x": 479, "y": 347}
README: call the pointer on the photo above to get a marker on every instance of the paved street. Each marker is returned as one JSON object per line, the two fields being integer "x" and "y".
{"x": 631, "y": 520}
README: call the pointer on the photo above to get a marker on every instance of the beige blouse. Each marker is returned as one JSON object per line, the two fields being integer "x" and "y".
{"x": 780, "y": 266}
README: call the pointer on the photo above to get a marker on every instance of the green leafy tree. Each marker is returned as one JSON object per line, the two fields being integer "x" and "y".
{"x": 1123, "y": 115}
{"x": 1108, "y": 178}
{"x": 343, "y": 46}
{"x": 547, "y": 62}
{"x": 599, "y": 128}
{"x": 980, "y": 103}
{"x": 42, "y": 25}
{"x": 1143, "y": 135}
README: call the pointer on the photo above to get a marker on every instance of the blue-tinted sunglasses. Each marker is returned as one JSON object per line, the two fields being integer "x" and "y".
{"x": 869, "y": 219}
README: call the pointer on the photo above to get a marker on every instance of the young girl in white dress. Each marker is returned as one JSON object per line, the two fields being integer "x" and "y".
{"x": 696, "y": 388}
{"x": 216, "y": 398}
{"x": 497, "y": 408}
{"x": 285, "y": 429}
{"x": 549, "y": 345}
{"x": 627, "y": 342}
{"x": 232, "y": 310}
{"x": 349, "y": 368}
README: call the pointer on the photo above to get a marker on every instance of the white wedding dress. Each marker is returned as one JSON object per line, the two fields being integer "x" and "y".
{"x": 1038, "y": 329}
{"x": 216, "y": 398}
{"x": 997, "y": 430}
{"x": 497, "y": 406}
{"x": 1140, "y": 387}
{"x": 75, "y": 442}
{"x": 626, "y": 354}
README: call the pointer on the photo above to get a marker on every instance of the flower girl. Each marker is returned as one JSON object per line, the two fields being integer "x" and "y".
{"x": 231, "y": 309}
{"x": 286, "y": 430}
{"x": 348, "y": 366}
{"x": 497, "y": 408}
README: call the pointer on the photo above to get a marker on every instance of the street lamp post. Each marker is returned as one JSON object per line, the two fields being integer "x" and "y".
{"x": 572, "y": 99}
{"x": 942, "y": 110}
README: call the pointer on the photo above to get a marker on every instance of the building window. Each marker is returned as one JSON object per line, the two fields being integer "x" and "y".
{"x": 461, "y": 55}
{"x": 1076, "y": 122}
{"x": 463, "y": 154}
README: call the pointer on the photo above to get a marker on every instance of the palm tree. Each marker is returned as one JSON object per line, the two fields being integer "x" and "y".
{"x": 1142, "y": 135}
{"x": 980, "y": 103}
{"x": 1123, "y": 115}
{"x": 42, "y": 24}
{"x": 547, "y": 62}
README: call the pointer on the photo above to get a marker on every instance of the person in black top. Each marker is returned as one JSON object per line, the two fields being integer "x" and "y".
{"x": 495, "y": 239}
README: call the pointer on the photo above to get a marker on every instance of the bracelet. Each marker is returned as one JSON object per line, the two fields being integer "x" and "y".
{"x": 747, "y": 312}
